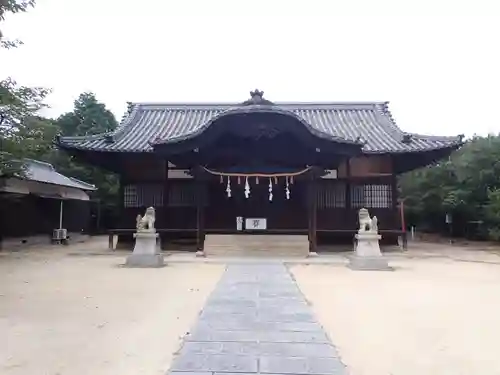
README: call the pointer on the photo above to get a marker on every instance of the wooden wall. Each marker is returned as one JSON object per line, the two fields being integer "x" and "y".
{"x": 371, "y": 186}
{"x": 365, "y": 166}
{"x": 30, "y": 215}
{"x": 151, "y": 168}
{"x": 144, "y": 168}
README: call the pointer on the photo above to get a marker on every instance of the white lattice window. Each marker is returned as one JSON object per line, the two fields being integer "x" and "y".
{"x": 371, "y": 196}
{"x": 130, "y": 196}
{"x": 145, "y": 195}
{"x": 331, "y": 195}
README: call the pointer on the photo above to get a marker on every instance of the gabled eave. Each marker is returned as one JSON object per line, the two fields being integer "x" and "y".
{"x": 150, "y": 125}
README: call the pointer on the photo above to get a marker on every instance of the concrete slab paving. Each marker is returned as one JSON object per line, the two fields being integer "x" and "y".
{"x": 257, "y": 322}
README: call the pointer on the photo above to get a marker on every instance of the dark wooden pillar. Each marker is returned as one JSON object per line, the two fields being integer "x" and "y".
{"x": 200, "y": 210}
{"x": 348, "y": 196}
{"x": 121, "y": 203}
{"x": 394, "y": 192}
{"x": 165, "y": 237}
{"x": 348, "y": 203}
{"x": 397, "y": 206}
{"x": 123, "y": 240}
{"x": 313, "y": 206}
{"x": 166, "y": 188}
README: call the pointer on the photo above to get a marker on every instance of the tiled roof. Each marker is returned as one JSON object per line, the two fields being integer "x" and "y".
{"x": 40, "y": 171}
{"x": 371, "y": 123}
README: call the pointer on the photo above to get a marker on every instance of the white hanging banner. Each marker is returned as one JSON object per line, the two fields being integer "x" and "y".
{"x": 247, "y": 188}
{"x": 228, "y": 187}
{"x": 239, "y": 223}
{"x": 287, "y": 189}
{"x": 270, "y": 190}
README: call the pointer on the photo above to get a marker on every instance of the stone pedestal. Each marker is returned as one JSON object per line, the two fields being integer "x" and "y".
{"x": 367, "y": 255}
{"x": 145, "y": 254}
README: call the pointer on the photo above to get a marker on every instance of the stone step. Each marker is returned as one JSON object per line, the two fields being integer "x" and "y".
{"x": 260, "y": 245}
{"x": 256, "y": 245}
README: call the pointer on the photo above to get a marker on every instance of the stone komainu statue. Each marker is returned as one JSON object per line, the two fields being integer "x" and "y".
{"x": 367, "y": 224}
{"x": 146, "y": 222}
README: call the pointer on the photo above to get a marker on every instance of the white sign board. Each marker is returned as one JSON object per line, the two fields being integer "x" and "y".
{"x": 331, "y": 174}
{"x": 239, "y": 223}
{"x": 255, "y": 223}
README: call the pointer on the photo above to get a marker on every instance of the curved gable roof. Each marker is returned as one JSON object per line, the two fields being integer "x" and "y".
{"x": 370, "y": 122}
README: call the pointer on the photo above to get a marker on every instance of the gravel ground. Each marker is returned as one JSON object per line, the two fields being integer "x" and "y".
{"x": 62, "y": 314}
{"x": 430, "y": 316}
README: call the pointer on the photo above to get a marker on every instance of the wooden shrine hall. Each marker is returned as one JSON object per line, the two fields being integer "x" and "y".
{"x": 259, "y": 167}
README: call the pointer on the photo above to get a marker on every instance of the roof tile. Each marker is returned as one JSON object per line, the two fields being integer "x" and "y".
{"x": 40, "y": 171}
{"x": 371, "y": 122}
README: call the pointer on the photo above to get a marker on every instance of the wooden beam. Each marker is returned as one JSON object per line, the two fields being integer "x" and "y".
{"x": 313, "y": 207}
{"x": 348, "y": 202}
{"x": 121, "y": 197}
{"x": 121, "y": 210}
{"x": 166, "y": 194}
{"x": 200, "y": 210}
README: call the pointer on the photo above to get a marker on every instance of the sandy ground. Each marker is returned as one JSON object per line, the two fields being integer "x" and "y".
{"x": 75, "y": 311}
{"x": 431, "y": 316}
{"x": 66, "y": 314}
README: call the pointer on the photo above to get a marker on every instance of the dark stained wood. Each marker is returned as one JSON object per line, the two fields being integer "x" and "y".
{"x": 284, "y": 150}
{"x": 348, "y": 183}
{"x": 286, "y": 216}
{"x": 200, "y": 211}
{"x": 281, "y": 213}
{"x": 166, "y": 188}
{"x": 274, "y": 149}
{"x": 313, "y": 204}
{"x": 395, "y": 206}
{"x": 122, "y": 241}
{"x": 27, "y": 215}
{"x": 144, "y": 168}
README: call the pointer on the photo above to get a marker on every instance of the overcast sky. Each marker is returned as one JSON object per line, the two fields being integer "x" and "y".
{"x": 436, "y": 61}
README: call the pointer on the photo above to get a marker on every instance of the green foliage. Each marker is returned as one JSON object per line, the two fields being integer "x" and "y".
{"x": 22, "y": 132}
{"x": 466, "y": 186}
{"x": 492, "y": 213}
{"x": 33, "y": 140}
{"x": 18, "y": 103}
{"x": 12, "y": 6}
{"x": 89, "y": 116}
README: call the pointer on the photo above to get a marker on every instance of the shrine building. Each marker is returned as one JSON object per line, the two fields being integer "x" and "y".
{"x": 259, "y": 167}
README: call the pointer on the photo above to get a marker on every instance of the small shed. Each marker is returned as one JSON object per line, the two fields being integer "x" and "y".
{"x": 42, "y": 204}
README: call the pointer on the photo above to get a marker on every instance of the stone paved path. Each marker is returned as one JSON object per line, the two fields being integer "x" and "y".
{"x": 257, "y": 322}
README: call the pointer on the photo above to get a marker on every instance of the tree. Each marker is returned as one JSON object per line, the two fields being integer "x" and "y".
{"x": 467, "y": 186}
{"x": 21, "y": 130}
{"x": 89, "y": 116}
{"x": 19, "y": 123}
{"x": 12, "y": 6}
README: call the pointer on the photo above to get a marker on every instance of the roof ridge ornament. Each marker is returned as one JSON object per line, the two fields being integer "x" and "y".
{"x": 407, "y": 138}
{"x": 360, "y": 140}
{"x": 257, "y": 98}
